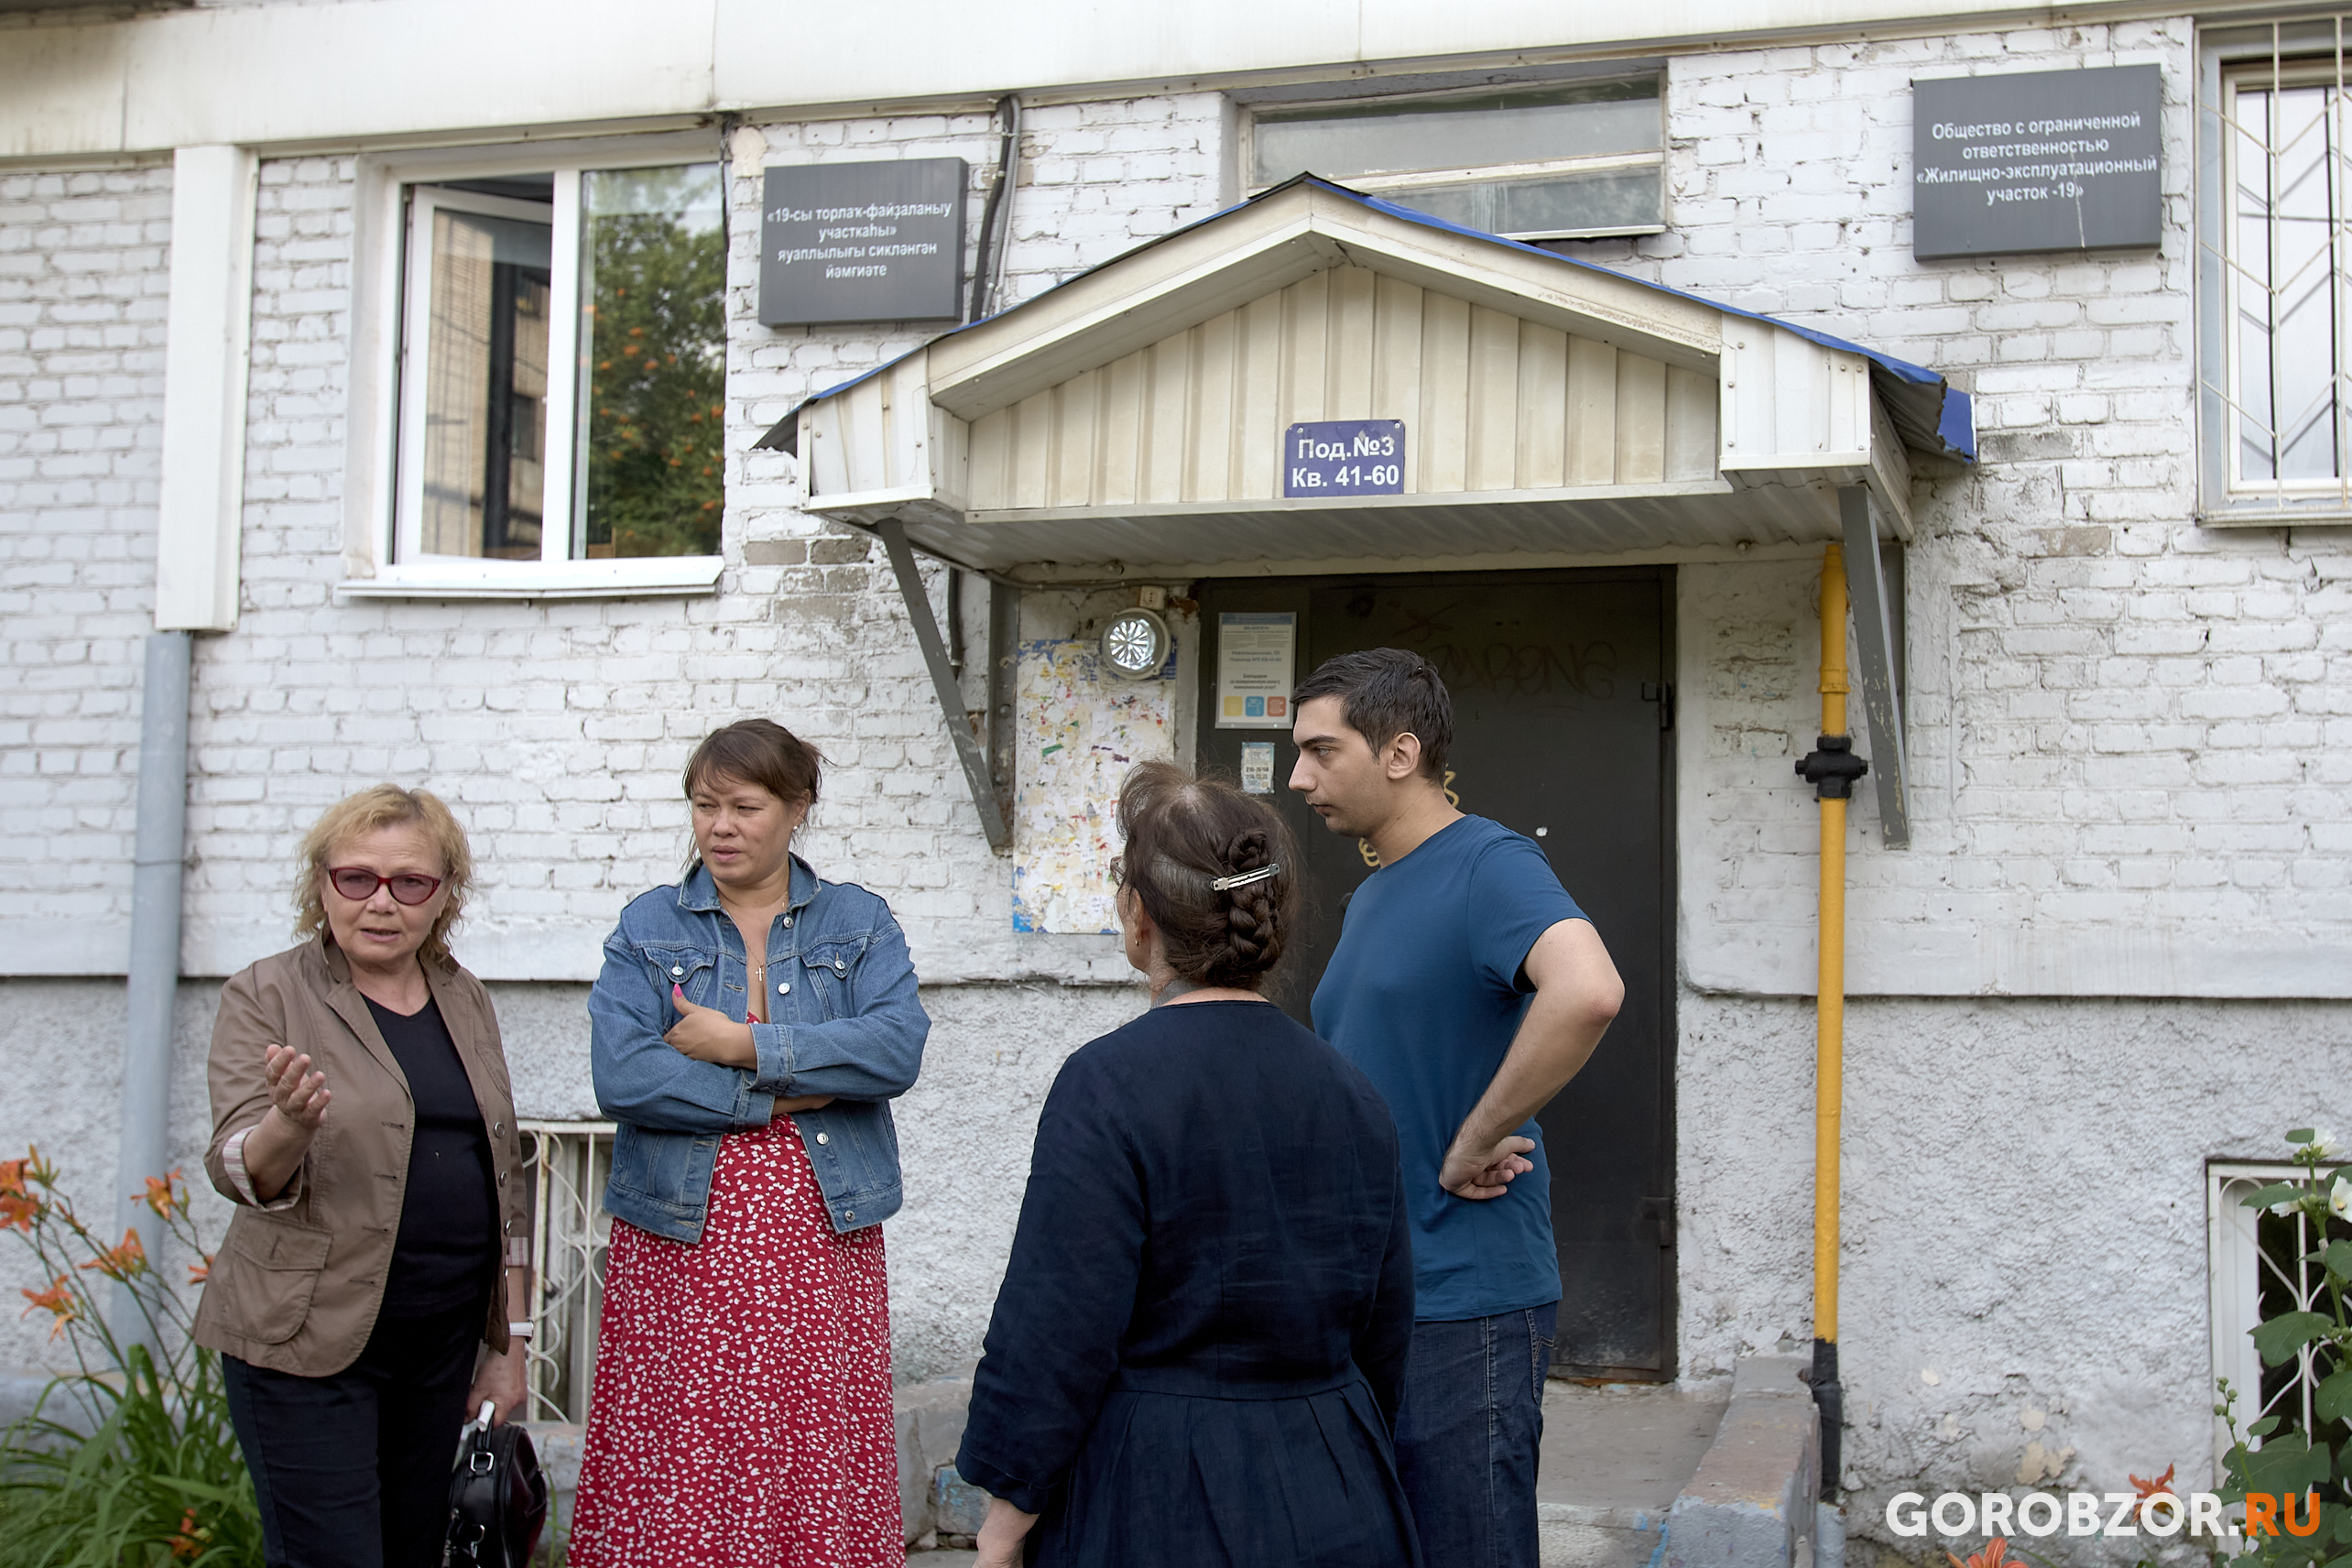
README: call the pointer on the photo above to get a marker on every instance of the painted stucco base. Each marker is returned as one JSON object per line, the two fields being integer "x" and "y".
{"x": 2025, "y": 1284}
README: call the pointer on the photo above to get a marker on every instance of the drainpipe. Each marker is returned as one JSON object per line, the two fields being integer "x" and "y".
{"x": 199, "y": 508}
{"x": 157, "y": 855}
{"x": 1832, "y": 768}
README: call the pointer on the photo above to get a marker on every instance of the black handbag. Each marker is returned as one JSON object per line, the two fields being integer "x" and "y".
{"x": 497, "y": 1497}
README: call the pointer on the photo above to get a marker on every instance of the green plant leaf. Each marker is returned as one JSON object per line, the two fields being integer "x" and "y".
{"x": 2262, "y": 1428}
{"x": 2276, "y": 1193}
{"x": 2288, "y": 1333}
{"x": 2332, "y": 1401}
{"x": 2338, "y": 1258}
{"x": 2302, "y": 1135}
{"x": 2289, "y": 1464}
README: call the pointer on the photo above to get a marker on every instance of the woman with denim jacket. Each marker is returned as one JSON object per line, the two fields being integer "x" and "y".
{"x": 749, "y": 1029}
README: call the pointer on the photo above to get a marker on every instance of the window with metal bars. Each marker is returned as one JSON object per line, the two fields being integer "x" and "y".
{"x": 2263, "y": 1268}
{"x": 566, "y": 1164}
{"x": 2275, "y": 273}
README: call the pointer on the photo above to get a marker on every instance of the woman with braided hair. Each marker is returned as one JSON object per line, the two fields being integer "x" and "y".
{"x": 1196, "y": 1352}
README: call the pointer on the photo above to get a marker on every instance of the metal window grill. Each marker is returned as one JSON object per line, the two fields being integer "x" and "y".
{"x": 566, "y": 1164}
{"x": 2261, "y": 1269}
{"x": 2284, "y": 130}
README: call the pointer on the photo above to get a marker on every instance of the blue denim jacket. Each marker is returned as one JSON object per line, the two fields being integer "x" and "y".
{"x": 845, "y": 1023}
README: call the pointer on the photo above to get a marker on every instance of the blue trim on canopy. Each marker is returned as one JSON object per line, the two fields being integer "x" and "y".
{"x": 1932, "y": 415}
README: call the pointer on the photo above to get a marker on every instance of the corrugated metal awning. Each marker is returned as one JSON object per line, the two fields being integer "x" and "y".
{"x": 1134, "y": 413}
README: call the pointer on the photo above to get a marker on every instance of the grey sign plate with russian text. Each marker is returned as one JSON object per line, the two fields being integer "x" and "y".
{"x": 2036, "y": 161}
{"x": 863, "y": 242}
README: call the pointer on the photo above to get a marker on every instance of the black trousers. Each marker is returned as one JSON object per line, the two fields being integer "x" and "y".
{"x": 352, "y": 1471}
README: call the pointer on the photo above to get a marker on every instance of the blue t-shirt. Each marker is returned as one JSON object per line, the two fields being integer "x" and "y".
{"x": 1424, "y": 995}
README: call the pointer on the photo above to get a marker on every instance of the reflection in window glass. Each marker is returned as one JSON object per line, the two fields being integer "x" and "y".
{"x": 1609, "y": 199}
{"x": 2283, "y": 222}
{"x": 485, "y": 414}
{"x": 1340, "y": 141}
{"x": 653, "y": 362}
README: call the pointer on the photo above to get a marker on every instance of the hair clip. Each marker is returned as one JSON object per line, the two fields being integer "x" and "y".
{"x": 1223, "y": 883}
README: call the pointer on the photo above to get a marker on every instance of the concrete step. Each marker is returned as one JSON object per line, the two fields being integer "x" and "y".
{"x": 1615, "y": 1457}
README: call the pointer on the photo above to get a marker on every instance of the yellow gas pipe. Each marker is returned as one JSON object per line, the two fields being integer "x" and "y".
{"x": 1829, "y": 1020}
{"x": 1833, "y": 768}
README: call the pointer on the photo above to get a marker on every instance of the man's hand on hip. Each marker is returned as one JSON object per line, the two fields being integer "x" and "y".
{"x": 1485, "y": 1170}
{"x": 1577, "y": 992}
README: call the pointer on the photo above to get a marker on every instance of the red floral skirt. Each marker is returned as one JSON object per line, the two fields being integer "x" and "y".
{"x": 741, "y": 1409}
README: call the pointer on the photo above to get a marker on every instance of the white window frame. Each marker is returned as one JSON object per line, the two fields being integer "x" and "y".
{"x": 2305, "y": 52}
{"x": 1483, "y": 174}
{"x": 383, "y": 445}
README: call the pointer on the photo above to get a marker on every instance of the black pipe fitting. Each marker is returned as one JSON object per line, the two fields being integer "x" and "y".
{"x": 1833, "y": 768}
{"x": 1830, "y": 1395}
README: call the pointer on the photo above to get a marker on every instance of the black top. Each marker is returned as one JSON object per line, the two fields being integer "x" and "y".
{"x": 1203, "y": 1328}
{"x": 447, "y": 1251}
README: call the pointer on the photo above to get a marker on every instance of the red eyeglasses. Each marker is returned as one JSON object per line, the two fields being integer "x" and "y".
{"x": 358, "y": 886}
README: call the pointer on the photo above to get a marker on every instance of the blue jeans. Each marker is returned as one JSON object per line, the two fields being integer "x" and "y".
{"x": 1469, "y": 1434}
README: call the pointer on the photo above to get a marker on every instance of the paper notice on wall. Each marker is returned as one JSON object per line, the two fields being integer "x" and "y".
{"x": 1255, "y": 669}
{"x": 1258, "y": 767}
{"x": 1077, "y": 731}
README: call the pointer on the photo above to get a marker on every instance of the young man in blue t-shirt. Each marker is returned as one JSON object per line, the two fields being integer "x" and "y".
{"x": 1469, "y": 987}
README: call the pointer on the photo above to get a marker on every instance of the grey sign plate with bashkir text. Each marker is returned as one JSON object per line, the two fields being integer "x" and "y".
{"x": 863, "y": 242}
{"x": 2037, "y": 160}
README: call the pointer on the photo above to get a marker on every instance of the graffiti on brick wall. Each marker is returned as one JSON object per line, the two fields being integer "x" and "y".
{"x": 1077, "y": 730}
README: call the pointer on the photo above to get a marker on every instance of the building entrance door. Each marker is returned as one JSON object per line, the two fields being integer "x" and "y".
{"x": 1563, "y": 706}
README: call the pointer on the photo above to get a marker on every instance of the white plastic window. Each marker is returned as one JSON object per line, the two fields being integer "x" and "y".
{"x": 553, "y": 391}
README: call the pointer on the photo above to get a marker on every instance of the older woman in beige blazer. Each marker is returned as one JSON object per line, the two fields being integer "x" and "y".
{"x": 363, "y": 1127}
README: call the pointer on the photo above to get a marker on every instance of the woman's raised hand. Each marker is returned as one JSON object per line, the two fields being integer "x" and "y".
{"x": 296, "y": 1093}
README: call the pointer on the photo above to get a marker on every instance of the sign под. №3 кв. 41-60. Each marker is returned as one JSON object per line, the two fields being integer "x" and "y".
{"x": 1343, "y": 457}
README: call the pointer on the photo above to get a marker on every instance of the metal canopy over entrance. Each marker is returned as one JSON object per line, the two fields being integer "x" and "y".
{"x": 1133, "y": 417}
{"x": 1135, "y": 413}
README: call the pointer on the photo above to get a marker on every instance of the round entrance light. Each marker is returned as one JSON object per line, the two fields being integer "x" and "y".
{"x": 1135, "y": 645}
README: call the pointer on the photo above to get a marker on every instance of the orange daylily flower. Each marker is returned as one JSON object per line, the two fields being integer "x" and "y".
{"x": 2161, "y": 1487}
{"x": 164, "y": 1195}
{"x": 1995, "y": 1551}
{"x": 199, "y": 1272}
{"x": 12, "y": 1177}
{"x": 57, "y": 1299}
{"x": 188, "y": 1540}
{"x": 17, "y": 1212}
{"x": 121, "y": 1262}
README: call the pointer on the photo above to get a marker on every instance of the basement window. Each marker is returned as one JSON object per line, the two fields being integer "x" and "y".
{"x": 566, "y": 1165}
{"x": 1568, "y": 161}
{"x": 2263, "y": 1268}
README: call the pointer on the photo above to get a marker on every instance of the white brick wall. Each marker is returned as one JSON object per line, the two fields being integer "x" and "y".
{"x": 556, "y": 730}
{"x": 2129, "y": 733}
{"x": 84, "y": 276}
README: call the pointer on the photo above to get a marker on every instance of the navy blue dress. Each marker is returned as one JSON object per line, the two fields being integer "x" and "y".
{"x": 1196, "y": 1356}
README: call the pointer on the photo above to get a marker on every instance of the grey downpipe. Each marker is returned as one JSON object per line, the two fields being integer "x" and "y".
{"x": 156, "y": 876}
{"x": 997, "y": 217}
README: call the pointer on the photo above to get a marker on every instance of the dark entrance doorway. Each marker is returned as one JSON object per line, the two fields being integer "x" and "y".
{"x": 1562, "y": 705}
